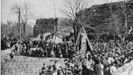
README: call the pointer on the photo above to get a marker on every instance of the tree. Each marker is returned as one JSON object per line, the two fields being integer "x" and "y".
{"x": 6, "y": 29}
{"x": 24, "y": 13}
{"x": 73, "y": 7}
{"x": 119, "y": 20}
{"x": 71, "y": 11}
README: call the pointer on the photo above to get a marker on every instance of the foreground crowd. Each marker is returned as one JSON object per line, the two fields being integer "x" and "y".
{"x": 105, "y": 59}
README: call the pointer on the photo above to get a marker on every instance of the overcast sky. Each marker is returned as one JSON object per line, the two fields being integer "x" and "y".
{"x": 40, "y": 8}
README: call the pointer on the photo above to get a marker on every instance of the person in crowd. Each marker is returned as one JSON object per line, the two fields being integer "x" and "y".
{"x": 43, "y": 70}
{"x": 112, "y": 68}
{"x": 98, "y": 67}
{"x": 77, "y": 70}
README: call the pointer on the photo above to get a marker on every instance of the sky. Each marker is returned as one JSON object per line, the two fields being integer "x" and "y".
{"x": 40, "y": 8}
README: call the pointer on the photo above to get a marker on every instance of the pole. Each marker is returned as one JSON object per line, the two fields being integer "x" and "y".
{"x": 54, "y": 10}
{"x": 19, "y": 15}
{"x": 55, "y": 27}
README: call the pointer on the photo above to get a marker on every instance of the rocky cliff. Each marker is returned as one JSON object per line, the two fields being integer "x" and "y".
{"x": 44, "y": 25}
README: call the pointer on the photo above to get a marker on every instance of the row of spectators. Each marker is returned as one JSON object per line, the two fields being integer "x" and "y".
{"x": 46, "y": 49}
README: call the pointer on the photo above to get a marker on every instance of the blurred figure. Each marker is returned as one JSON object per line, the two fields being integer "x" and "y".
{"x": 43, "y": 70}
{"x": 112, "y": 68}
{"x": 98, "y": 67}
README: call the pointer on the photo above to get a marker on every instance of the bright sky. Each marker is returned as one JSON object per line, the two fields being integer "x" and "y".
{"x": 40, "y": 8}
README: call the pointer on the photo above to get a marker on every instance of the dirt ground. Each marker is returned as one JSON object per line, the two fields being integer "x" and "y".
{"x": 22, "y": 65}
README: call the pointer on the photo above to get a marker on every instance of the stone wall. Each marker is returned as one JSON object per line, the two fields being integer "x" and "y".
{"x": 44, "y": 25}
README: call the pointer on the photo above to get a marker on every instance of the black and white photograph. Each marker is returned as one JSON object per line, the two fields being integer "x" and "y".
{"x": 66, "y": 37}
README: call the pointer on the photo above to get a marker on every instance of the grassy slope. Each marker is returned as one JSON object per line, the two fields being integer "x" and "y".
{"x": 22, "y": 65}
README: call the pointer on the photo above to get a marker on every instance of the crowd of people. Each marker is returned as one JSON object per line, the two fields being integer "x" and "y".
{"x": 39, "y": 48}
{"x": 107, "y": 57}
{"x": 105, "y": 60}
{"x": 46, "y": 49}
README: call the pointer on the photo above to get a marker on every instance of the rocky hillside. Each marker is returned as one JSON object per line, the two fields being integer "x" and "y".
{"x": 100, "y": 18}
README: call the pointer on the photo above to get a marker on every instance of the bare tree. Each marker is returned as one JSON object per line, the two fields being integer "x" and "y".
{"x": 71, "y": 11}
{"x": 117, "y": 23}
{"x": 9, "y": 23}
{"x": 126, "y": 17}
{"x": 17, "y": 11}
{"x": 24, "y": 13}
{"x": 73, "y": 7}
